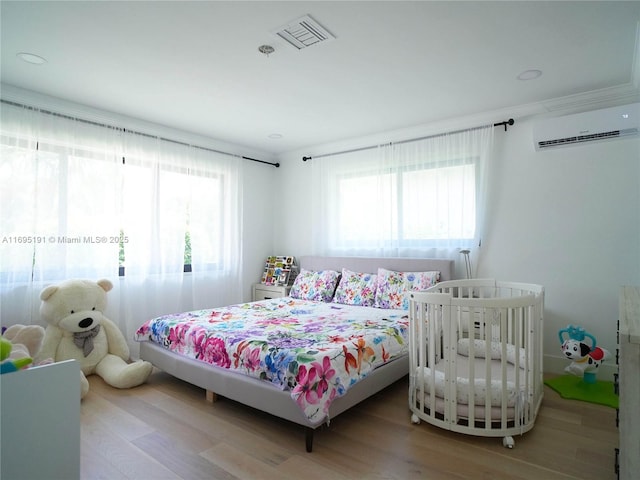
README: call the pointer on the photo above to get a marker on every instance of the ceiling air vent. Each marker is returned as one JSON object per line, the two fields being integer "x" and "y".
{"x": 304, "y": 32}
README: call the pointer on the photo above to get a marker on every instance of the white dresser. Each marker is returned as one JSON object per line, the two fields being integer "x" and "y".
{"x": 40, "y": 428}
{"x": 629, "y": 426}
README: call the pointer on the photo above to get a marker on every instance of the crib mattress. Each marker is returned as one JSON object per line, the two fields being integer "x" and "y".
{"x": 514, "y": 390}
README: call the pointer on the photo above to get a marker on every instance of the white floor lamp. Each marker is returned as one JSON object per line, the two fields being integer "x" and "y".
{"x": 467, "y": 261}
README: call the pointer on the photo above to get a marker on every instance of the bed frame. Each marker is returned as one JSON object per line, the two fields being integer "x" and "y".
{"x": 265, "y": 396}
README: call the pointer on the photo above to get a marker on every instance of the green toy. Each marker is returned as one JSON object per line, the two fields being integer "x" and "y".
{"x": 11, "y": 365}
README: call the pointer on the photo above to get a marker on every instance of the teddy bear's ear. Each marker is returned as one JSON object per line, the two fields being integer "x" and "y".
{"x": 48, "y": 291}
{"x": 105, "y": 284}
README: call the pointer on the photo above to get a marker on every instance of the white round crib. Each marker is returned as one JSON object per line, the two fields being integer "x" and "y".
{"x": 476, "y": 357}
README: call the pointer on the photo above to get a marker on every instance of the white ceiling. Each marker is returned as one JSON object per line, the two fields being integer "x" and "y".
{"x": 195, "y": 66}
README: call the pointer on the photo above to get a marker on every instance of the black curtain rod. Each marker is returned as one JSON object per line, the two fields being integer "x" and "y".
{"x": 506, "y": 123}
{"x": 90, "y": 122}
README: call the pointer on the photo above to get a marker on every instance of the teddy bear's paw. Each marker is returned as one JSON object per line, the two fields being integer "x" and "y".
{"x": 135, "y": 374}
{"x": 119, "y": 374}
{"x": 84, "y": 386}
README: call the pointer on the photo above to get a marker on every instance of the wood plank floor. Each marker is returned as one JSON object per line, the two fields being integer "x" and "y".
{"x": 165, "y": 429}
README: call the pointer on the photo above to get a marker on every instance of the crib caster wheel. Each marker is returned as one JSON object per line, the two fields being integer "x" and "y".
{"x": 415, "y": 419}
{"x": 508, "y": 442}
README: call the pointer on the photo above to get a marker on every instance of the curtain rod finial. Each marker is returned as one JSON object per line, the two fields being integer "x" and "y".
{"x": 304, "y": 159}
{"x": 506, "y": 123}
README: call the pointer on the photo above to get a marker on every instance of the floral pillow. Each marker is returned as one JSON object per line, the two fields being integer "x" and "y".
{"x": 392, "y": 286}
{"x": 356, "y": 289}
{"x": 316, "y": 286}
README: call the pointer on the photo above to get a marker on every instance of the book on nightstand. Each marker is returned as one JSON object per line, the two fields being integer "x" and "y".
{"x": 279, "y": 270}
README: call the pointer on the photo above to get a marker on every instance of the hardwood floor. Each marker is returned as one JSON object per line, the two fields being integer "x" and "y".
{"x": 165, "y": 429}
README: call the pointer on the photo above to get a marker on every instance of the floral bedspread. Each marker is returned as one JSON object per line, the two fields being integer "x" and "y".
{"x": 316, "y": 350}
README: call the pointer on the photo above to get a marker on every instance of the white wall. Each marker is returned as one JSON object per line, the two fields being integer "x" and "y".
{"x": 263, "y": 214}
{"x": 568, "y": 219}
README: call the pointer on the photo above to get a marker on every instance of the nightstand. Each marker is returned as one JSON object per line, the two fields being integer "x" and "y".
{"x": 265, "y": 292}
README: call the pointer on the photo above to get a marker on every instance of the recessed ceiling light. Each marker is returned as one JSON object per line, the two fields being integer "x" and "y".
{"x": 31, "y": 58}
{"x": 275, "y": 136}
{"x": 529, "y": 74}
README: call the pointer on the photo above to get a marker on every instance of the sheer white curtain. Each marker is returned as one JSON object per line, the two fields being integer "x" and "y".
{"x": 58, "y": 199}
{"x": 181, "y": 208}
{"x": 215, "y": 217}
{"x": 424, "y": 198}
{"x": 161, "y": 219}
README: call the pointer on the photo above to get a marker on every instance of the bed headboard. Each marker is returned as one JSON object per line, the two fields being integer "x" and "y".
{"x": 371, "y": 264}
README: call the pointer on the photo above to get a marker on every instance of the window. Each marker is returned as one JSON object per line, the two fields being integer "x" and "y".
{"x": 426, "y": 220}
{"x": 141, "y": 206}
{"x": 176, "y": 189}
{"x": 57, "y": 211}
{"x": 411, "y": 216}
{"x": 402, "y": 200}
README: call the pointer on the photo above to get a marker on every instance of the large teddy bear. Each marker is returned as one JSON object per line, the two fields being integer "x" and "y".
{"x": 77, "y": 329}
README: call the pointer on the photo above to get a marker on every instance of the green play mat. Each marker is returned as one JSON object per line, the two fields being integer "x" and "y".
{"x": 575, "y": 388}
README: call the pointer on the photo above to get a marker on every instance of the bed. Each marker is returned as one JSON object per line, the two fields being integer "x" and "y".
{"x": 312, "y": 366}
{"x": 476, "y": 357}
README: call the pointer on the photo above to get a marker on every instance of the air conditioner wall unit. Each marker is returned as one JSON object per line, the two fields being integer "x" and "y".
{"x": 593, "y": 126}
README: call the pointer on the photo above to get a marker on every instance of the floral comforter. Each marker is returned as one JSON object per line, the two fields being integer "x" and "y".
{"x": 316, "y": 350}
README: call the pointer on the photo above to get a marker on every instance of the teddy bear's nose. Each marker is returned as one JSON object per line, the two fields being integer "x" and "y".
{"x": 85, "y": 323}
